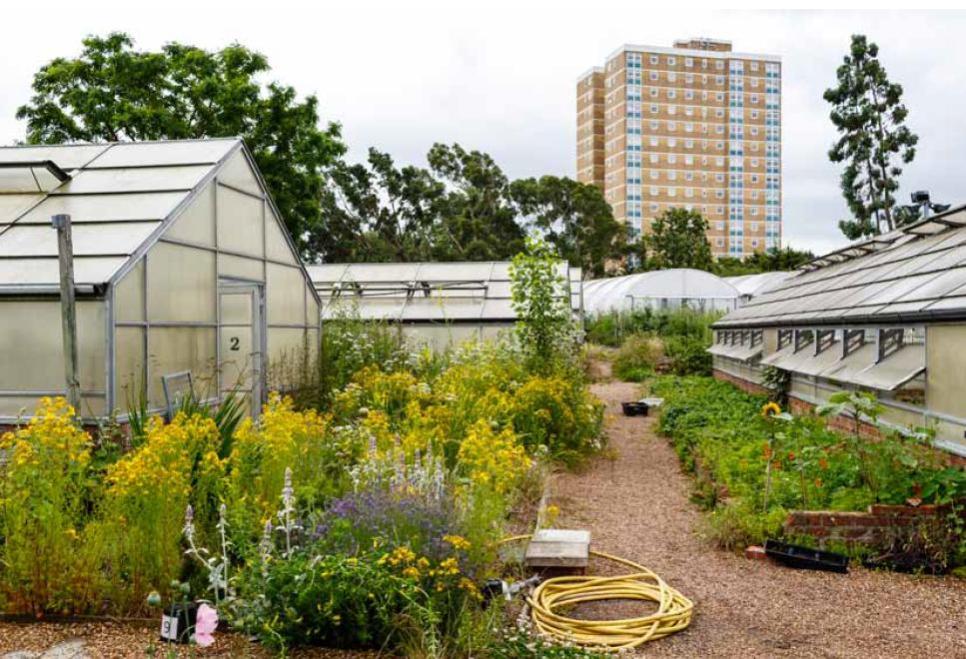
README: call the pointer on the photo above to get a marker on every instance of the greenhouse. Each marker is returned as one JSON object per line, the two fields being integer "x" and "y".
{"x": 185, "y": 276}
{"x": 886, "y": 315}
{"x": 434, "y": 304}
{"x": 660, "y": 289}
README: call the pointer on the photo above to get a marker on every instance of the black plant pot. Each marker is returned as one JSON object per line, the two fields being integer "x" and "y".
{"x": 178, "y": 622}
{"x": 635, "y": 408}
{"x": 805, "y": 558}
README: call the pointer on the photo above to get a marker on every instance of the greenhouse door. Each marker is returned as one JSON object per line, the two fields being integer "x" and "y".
{"x": 241, "y": 334}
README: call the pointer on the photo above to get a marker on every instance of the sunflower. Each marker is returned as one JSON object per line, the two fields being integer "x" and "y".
{"x": 770, "y": 409}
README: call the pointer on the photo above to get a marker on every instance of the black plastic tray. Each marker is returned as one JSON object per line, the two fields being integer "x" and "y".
{"x": 635, "y": 408}
{"x": 805, "y": 558}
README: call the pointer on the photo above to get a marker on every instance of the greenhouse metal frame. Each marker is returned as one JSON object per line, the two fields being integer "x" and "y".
{"x": 180, "y": 259}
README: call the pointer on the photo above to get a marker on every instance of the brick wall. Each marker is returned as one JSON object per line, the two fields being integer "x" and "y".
{"x": 872, "y": 527}
{"x": 741, "y": 383}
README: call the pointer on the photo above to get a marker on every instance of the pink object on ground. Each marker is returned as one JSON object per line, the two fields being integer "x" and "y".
{"x": 755, "y": 552}
{"x": 205, "y": 625}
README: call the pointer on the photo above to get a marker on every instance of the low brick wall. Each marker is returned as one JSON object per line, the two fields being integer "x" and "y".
{"x": 874, "y": 526}
{"x": 843, "y": 424}
{"x": 741, "y": 383}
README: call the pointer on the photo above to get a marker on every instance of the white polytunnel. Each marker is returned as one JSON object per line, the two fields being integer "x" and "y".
{"x": 661, "y": 289}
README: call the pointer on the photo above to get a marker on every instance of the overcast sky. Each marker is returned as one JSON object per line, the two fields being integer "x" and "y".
{"x": 499, "y": 76}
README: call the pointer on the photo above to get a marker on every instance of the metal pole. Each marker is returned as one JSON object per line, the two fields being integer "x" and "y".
{"x": 68, "y": 307}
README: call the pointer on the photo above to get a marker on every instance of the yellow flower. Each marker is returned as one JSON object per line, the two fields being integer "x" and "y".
{"x": 411, "y": 572}
{"x": 770, "y": 409}
{"x": 457, "y": 541}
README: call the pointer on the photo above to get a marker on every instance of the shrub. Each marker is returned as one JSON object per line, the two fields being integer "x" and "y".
{"x": 557, "y": 414}
{"x": 43, "y": 509}
{"x": 493, "y": 460}
{"x": 144, "y": 505}
{"x": 285, "y": 438}
{"x": 689, "y": 355}
{"x": 640, "y": 354}
{"x": 613, "y": 328}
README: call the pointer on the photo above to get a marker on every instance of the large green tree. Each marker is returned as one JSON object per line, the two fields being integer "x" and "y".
{"x": 376, "y": 211}
{"x": 679, "y": 239}
{"x": 112, "y": 92}
{"x": 477, "y": 216}
{"x": 573, "y": 217}
{"x": 868, "y": 113}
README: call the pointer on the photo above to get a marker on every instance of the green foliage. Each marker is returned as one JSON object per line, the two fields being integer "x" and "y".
{"x": 611, "y": 329}
{"x": 772, "y": 260}
{"x": 679, "y": 239}
{"x": 113, "y": 93}
{"x": 688, "y": 354}
{"x": 350, "y": 344}
{"x": 336, "y": 600}
{"x": 524, "y": 644}
{"x": 541, "y": 301}
{"x": 738, "y": 453}
{"x": 573, "y": 217}
{"x": 867, "y": 111}
{"x": 638, "y": 357}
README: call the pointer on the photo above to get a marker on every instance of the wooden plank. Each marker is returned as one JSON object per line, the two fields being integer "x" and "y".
{"x": 559, "y": 548}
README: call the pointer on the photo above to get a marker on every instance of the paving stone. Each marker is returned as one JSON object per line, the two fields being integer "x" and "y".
{"x": 73, "y": 649}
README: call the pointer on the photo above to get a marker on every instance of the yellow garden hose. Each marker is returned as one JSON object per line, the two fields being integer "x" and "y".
{"x": 673, "y": 612}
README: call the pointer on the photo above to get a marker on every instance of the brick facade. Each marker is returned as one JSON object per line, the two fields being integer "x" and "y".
{"x": 875, "y": 526}
{"x": 741, "y": 383}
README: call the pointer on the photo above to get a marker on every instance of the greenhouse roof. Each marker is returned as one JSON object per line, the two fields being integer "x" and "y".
{"x": 118, "y": 196}
{"x": 751, "y": 285}
{"x": 602, "y": 295}
{"x": 913, "y": 274}
{"x": 425, "y": 292}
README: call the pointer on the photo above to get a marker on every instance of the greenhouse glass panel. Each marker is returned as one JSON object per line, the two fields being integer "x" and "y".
{"x": 238, "y": 174}
{"x": 13, "y": 206}
{"x": 46, "y": 272}
{"x": 845, "y": 369}
{"x": 129, "y": 295}
{"x": 240, "y": 222}
{"x": 66, "y": 157}
{"x": 181, "y": 284}
{"x": 895, "y": 370}
{"x": 135, "y": 179}
{"x": 286, "y": 295}
{"x": 129, "y": 365}
{"x": 90, "y": 240}
{"x": 276, "y": 244}
{"x": 106, "y": 207}
{"x": 164, "y": 153}
{"x": 240, "y": 267}
{"x": 196, "y": 223}
{"x": 176, "y": 349}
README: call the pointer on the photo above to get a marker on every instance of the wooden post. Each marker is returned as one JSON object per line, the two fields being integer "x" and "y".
{"x": 68, "y": 307}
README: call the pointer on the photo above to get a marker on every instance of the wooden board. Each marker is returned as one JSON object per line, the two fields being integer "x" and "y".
{"x": 559, "y": 548}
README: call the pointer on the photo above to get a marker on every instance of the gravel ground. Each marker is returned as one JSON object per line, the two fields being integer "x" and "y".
{"x": 123, "y": 640}
{"x": 636, "y": 504}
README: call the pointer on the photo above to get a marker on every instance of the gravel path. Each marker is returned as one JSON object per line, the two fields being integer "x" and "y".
{"x": 636, "y": 504}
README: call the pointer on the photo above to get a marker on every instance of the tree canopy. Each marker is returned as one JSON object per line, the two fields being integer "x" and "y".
{"x": 868, "y": 112}
{"x": 679, "y": 239}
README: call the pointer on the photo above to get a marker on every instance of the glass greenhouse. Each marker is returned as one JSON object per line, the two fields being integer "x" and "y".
{"x": 660, "y": 289}
{"x": 886, "y": 315}
{"x": 184, "y": 274}
{"x": 435, "y": 304}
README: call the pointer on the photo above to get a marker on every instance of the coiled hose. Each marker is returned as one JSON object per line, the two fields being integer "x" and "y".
{"x": 673, "y": 609}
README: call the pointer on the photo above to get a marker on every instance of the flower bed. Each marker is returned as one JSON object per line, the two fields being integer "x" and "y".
{"x": 369, "y": 525}
{"x": 754, "y": 466}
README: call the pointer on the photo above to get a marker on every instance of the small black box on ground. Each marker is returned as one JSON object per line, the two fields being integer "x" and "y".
{"x": 635, "y": 408}
{"x": 805, "y": 558}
